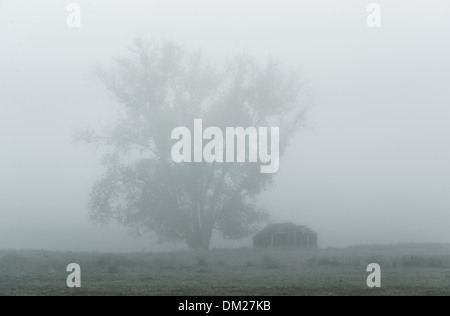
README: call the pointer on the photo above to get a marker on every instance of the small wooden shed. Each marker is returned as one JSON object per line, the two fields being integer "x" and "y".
{"x": 285, "y": 235}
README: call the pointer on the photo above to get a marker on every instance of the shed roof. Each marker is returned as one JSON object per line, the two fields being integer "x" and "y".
{"x": 272, "y": 229}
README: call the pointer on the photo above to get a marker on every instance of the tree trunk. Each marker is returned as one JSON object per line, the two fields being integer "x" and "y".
{"x": 199, "y": 239}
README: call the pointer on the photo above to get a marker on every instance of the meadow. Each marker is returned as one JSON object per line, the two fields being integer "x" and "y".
{"x": 410, "y": 269}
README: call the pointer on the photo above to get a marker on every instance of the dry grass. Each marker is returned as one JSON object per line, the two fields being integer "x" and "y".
{"x": 406, "y": 270}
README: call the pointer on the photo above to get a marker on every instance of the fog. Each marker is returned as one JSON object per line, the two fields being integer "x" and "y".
{"x": 371, "y": 166}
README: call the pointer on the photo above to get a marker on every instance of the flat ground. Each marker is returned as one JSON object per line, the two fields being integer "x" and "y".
{"x": 405, "y": 270}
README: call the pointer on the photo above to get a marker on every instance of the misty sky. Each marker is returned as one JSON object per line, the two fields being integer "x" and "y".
{"x": 372, "y": 165}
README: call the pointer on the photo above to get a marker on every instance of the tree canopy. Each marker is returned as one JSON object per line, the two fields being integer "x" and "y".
{"x": 159, "y": 87}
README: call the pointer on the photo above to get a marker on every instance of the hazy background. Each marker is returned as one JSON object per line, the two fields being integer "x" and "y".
{"x": 371, "y": 167}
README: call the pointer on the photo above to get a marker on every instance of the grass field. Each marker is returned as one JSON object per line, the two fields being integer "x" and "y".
{"x": 405, "y": 270}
